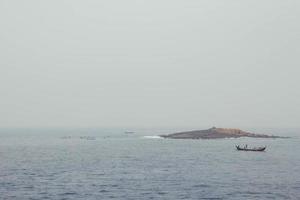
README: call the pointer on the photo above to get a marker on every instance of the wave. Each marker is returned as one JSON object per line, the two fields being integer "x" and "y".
{"x": 152, "y": 137}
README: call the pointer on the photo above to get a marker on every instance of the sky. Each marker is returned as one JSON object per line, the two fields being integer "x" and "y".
{"x": 165, "y": 63}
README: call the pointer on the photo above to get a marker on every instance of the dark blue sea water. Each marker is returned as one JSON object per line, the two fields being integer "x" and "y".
{"x": 109, "y": 164}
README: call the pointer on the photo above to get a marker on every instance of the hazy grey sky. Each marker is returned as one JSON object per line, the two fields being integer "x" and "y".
{"x": 150, "y": 63}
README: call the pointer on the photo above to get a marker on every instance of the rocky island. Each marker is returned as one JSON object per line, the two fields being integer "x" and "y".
{"x": 216, "y": 133}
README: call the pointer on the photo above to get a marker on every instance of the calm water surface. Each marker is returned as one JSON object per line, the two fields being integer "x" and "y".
{"x": 58, "y": 164}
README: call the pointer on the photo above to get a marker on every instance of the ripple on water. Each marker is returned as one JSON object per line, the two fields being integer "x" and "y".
{"x": 136, "y": 168}
{"x": 68, "y": 194}
{"x": 103, "y": 191}
{"x": 201, "y": 186}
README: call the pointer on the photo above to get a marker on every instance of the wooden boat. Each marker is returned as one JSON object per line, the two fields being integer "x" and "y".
{"x": 250, "y": 149}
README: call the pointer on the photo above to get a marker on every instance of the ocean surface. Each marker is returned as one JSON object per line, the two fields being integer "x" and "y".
{"x": 112, "y": 164}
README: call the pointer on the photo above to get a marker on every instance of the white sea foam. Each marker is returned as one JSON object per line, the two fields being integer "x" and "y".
{"x": 152, "y": 137}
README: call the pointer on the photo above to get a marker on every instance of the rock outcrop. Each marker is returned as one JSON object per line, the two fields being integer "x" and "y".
{"x": 216, "y": 133}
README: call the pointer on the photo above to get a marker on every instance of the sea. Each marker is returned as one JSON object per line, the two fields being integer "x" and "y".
{"x": 113, "y": 163}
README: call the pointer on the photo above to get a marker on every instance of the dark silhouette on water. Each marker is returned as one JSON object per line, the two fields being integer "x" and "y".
{"x": 250, "y": 149}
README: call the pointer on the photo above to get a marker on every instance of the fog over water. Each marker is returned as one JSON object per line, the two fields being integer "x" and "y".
{"x": 149, "y": 63}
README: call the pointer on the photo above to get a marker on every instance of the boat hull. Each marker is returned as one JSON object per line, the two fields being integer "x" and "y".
{"x": 253, "y": 149}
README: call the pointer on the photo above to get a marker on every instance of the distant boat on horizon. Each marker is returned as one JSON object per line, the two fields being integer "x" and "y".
{"x": 87, "y": 138}
{"x": 129, "y": 132}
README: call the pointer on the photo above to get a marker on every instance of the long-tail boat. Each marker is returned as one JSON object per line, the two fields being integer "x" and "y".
{"x": 250, "y": 149}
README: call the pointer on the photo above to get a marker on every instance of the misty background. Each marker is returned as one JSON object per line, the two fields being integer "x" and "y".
{"x": 149, "y": 63}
